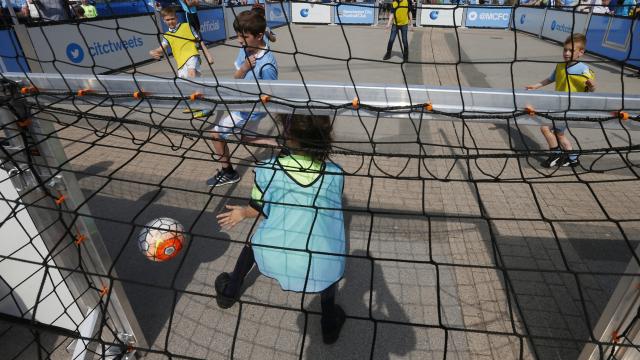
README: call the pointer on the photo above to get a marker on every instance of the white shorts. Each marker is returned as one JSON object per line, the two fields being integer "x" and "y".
{"x": 238, "y": 124}
{"x": 192, "y": 63}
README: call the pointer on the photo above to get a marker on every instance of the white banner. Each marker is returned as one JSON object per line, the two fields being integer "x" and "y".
{"x": 440, "y": 15}
{"x": 317, "y": 13}
{"x": 558, "y": 25}
{"x": 105, "y": 43}
{"x": 528, "y": 19}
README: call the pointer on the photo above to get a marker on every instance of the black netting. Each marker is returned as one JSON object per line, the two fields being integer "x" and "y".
{"x": 460, "y": 244}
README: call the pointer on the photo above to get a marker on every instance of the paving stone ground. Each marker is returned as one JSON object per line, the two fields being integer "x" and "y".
{"x": 438, "y": 263}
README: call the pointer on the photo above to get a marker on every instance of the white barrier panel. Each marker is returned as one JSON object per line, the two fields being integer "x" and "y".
{"x": 528, "y": 19}
{"x": 441, "y": 15}
{"x": 558, "y": 25}
{"x": 109, "y": 44}
{"x": 316, "y": 13}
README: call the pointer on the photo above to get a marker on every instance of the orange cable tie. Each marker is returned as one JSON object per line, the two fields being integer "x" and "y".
{"x": 623, "y": 115}
{"x": 140, "y": 94}
{"x": 195, "y": 96}
{"x": 530, "y": 110}
{"x": 80, "y": 239}
{"x": 83, "y": 92}
{"x": 24, "y": 122}
{"x": 28, "y": 90}
{"x": 265, "y": 99}
{"x": 355, "y": 103}
{"x": 60, "y": 200}
{"x": 103, "y": 290}
{"x": 428, "y": 106}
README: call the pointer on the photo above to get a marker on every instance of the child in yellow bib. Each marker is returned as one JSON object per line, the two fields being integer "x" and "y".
{"x": 569, "y": 76}
{"x": 182, "y": 39}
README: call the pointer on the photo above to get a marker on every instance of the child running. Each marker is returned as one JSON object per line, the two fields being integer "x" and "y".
{"x": 182, "y": 40}
{"x": 569, "y": 76}
{"x": 254, "y": 62}
{"x": 299, "y": 193}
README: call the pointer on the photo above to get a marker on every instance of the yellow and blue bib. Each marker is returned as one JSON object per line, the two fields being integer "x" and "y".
{"x": 571, "y": 78}
{"x": 183, "y": 44}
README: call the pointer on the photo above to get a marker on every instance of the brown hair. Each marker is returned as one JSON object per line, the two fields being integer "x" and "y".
{"x": 577, "y": 40}
{"x": 249, "y": 22}
{"x": 168, "y": 11}
{"x": 313, "y": 133}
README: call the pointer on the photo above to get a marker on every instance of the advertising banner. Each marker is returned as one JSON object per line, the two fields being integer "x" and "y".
{"x": 614, "y": 38}
{"x": 278, "y": 13}
{"x": 558, "y": 24}
{"x": 354, "y": 14}
{"x": 316, "y": 13}
{"x": 488, "y": 17}
{"x": 11, "y": 56}
{"x": 441, "y": 15}
{"x": 528, "y": 19}
{"x": 212, "y": 24}
{"x": 94, "y": 46}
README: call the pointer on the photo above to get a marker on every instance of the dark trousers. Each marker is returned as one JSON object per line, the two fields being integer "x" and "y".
{"x": 404, "y": 43}
{"x": 245, "y": 263}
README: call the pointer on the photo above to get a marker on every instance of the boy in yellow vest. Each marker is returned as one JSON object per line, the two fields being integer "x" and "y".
{"x": 399, "y": 20}
{"x": 569, "y": 76}
{"x": 183, "y": 40}
{"x": 89, "y": 10}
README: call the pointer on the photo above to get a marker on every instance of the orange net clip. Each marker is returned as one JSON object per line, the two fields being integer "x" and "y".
{"x": 355, "y": 103}
{"x": 195, "y": 96}
{"x": 265, "y": 98}
{"x": 103, "y": 291}
{"x": 60, "y": 200}
{"x": 622, "y": 115}
{"x": 615, "y": 336}
{"x": 28, "y": 90}
{"x": 80, "y": 239}
{"x": 140, "y": 94}
{"x": 24, "y": 123}
{"x": 83, "y": 92}
{"x": 529, "y": 110}
{"x": 428, "y": 106}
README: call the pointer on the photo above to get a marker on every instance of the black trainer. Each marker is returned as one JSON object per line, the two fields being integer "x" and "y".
{"x": 386, "y": 56}
{"x": 552, "y": 160}
{"x": 224, "y": 177}
{"x": 220, "y": 285}
{"x": 331, "y": 326}
{"x": 568, "y": 161}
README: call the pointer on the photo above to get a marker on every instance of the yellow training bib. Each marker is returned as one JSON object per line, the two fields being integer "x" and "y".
{"x": 183, "y": 44}
{"x": 568, "y": 82}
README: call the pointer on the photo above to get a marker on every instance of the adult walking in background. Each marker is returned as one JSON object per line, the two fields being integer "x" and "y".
{"x": 399, "y": 21}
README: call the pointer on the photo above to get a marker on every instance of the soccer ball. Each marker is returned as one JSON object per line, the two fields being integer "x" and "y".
{"x": 161, "y": 239}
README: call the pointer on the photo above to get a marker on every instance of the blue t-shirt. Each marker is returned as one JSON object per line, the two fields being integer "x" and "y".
{"x": 188, "y": 9}
{"x": 266, "y": 68}
{"x": 623, "y": 8}
{"x": 578, "y": 68}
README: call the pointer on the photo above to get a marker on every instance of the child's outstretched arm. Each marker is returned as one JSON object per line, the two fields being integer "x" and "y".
{"x": 236, "y": 213}
{"x": 542, "y": 83}
{"x": 590, "y": 85}
{"x": 158, "y": 52}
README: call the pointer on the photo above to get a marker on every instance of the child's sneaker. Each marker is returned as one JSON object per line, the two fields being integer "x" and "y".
{"x": 331, "y": 326}
{"x": 201, "y": 113}
{"x": 220, "y": 285}
{"x": 567, "y": 161}
{"x": 224, "y": 177}
{"x": 552, "y": 160}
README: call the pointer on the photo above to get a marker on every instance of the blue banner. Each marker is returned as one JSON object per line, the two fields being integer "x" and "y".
{"x": 211, "y": 23}
{"x": 488, "y": 17}
{"x": 11, "y": 56}
{"x": 612, "y": 37}
{"x": 277, "y": 13}
{"x": 354, "y": 14}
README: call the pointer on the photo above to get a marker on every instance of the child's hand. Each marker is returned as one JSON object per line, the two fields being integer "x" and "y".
{"x": 156, "y": 54}
{"x": 590, "y": 85}
{"x": 229, "y": 219}
{"x": 533, "y": 87}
